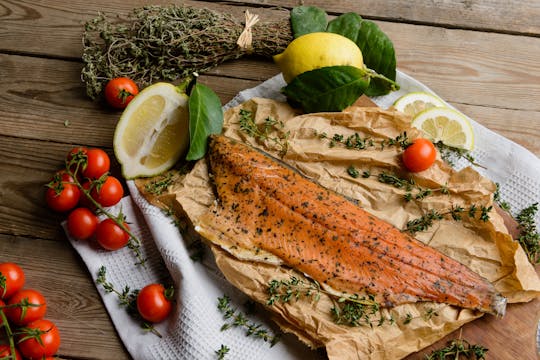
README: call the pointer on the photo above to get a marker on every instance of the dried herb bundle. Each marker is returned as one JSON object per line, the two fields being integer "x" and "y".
{"x": 169, "y": 43}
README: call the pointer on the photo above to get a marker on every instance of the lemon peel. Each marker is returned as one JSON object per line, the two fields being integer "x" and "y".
{"x": 316, "y": 50}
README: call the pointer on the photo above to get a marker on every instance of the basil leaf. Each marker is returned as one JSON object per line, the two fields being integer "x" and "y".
{"x": 205, "y": 118}
{"x": 307, "y": 19}
{"x": 330, "y": 88}
{"x": 377, "y": 49}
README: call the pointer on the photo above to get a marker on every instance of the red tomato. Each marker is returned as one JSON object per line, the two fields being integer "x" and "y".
{"x": 120, "y": 91}
{"x": 2, "y": 303}
{"x": 47, "y": 345}
{"x": 420, "y": 155}
{"x": 98, "y": 163}
{"x": 5, "y": 351}
{"x": 82, "y": 223}
{"x": 62, "y": 195}
{"x": 11, "y": 279}
{"x": 154, "y": 302}
{"x": 33, "y": 307}
{"x": 109, "y": 193}
{"x": 111, "y": 236}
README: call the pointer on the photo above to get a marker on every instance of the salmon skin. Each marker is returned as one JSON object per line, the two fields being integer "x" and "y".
{"x": 265, "y": 206}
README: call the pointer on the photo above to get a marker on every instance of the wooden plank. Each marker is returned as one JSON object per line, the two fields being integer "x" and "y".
{"x": 74, "y": 305}
{"x": 509, "y": 16}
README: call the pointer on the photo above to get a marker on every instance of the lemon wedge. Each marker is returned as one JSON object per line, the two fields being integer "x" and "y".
{"x": 316, "y": 50}
{"x": 153, "y": 131}
{"x": 415, "y": 102}
{"x": 447, "y": 126}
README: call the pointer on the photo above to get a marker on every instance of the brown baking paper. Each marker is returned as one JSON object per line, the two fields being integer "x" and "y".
{"x": 486, "y": 247}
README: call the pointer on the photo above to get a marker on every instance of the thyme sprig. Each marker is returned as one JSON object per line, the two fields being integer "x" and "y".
{"x": 457, "y": 349}
{"x": 451, "y": 154}
{"x": 236, "y": 318}
{"x": 158, "y": 185}
{"x": 169, "y": 43}
{"x": 357, "y": 142}
{"x": 413, "y": 191}
{"x": 222, "y": 351}
{"x": 261, "y": 132}
{"x": 456, "y": 213}
{"x": 127, "y": 298}
{"x": 529, "y": 238}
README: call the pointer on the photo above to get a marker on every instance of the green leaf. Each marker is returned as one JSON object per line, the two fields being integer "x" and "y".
{"x": 307, "y": 19}
{"x": 377, "y": 49}
{"x": 331, "y": 88}
{"x": 347, "y": 25}
{"x": 205, "y": 119}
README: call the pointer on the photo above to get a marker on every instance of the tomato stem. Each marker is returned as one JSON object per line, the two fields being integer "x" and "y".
{"x": 9, "y": 334}
{"x": 134, "y": 243}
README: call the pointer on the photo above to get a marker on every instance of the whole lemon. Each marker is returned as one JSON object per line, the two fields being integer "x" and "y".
{"x": 317, "y": 50}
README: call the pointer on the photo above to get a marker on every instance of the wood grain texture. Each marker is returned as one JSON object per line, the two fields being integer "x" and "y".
{"x": 513, "y": 16}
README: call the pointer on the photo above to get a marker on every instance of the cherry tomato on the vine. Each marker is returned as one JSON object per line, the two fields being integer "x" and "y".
{"x": 420, "y": 155}
{"x": 11, "y": 279}
{"x": 5, "y": 352}
{"x": 82, "y": 223}
{"x": 98, "y": 163}
{"x": 108, "y": 193}
{"x": 154, "y": 302}
{"x": 48, "y": 343}
{"x": 111, "y": 236}
{"x": 62, "y": 195}
{"x": 76, "y": 160}
{"x": 120, "y": 91}
{"x": 33, "y": 307}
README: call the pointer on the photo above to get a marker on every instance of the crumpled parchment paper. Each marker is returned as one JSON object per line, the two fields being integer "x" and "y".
{"x": 486, "y": 247}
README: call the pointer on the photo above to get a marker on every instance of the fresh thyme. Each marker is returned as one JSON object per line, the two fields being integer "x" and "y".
{"x": 457, "y": 349}
{"x": 451, "y": 154}
{"x": 158, "y": 185}
{"x": 413, "y": 191}
{"x": 235, "y": 318}
{"x": 456, "y": 213}
{"x": 354, "y": 310}
{"x": 498, "y": 200}
{"x": 169, "y": 43}
{"x": 126, "y": 298}
{"x": 222, "y": 351}
{"x": 529, "y": 238}
{"x": 356, "y": 142}
{"x": 261, "y": 132}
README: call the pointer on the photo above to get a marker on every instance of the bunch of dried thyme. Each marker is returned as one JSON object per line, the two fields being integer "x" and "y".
{"x": 169, "y": 43}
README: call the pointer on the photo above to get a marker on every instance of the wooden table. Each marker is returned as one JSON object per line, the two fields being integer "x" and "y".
{"x": 482, "y": 56}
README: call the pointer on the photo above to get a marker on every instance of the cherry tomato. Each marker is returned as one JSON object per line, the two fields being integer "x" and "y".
{"x": 33, "y": 307}
{"x": 82, "y": 223}
{"x": 2, "y": 303}
{"x": 98, "y": 163}
{"x": 47, "y": 345}
{"x": 120, "y": 91}
{"x": 5, "y": 352}
{"x": 154, "y": 302}
{"x": 111, "y": 236}
{"x": 62, "y": 195}
{"x": 109, "y": 193}
{"x": 420, "y": 155}
{"x": 11, "y": 279}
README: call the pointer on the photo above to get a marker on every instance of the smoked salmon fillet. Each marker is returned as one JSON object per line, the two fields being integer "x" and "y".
{"x": 264, "y": 206}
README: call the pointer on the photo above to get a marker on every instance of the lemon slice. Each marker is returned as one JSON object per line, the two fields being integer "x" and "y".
{"x": 152, "y": 133}
{"x": 447, "y": 126}
{"x": 415, "y": 102}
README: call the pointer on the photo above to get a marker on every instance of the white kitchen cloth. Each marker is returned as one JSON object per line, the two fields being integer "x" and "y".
{"x": 194, "y": 329}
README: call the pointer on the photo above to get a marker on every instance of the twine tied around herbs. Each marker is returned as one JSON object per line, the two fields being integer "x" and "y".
{"x": 245, "y": 39}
